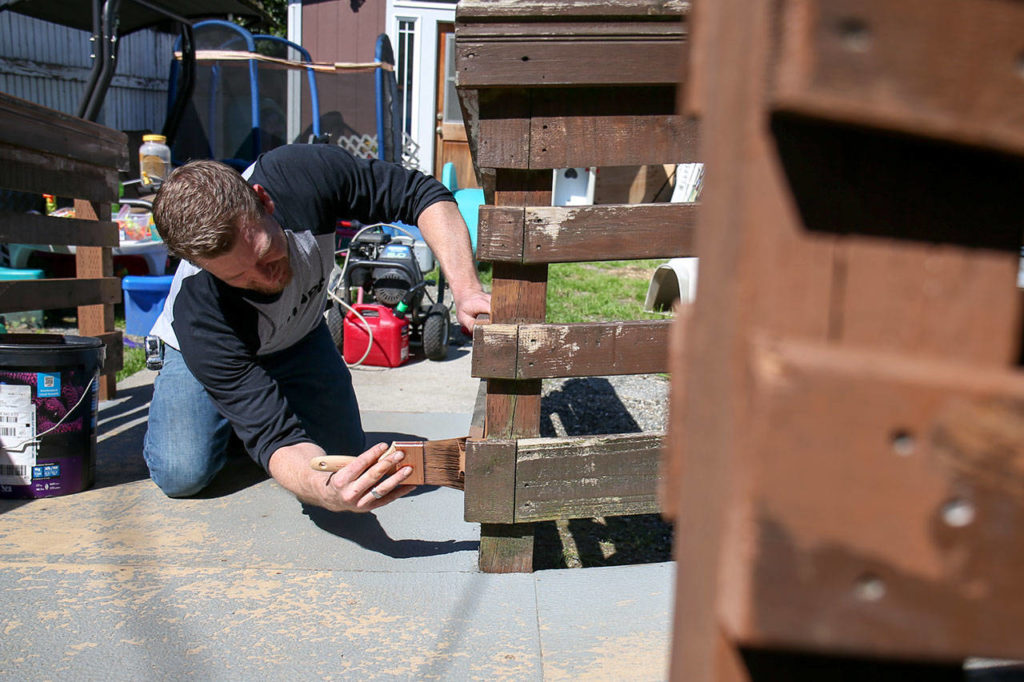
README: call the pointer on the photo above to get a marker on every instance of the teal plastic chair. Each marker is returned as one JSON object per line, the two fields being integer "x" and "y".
{"x": 469, "y": 200}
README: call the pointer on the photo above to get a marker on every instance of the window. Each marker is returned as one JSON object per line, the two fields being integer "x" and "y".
{"x": 452, "y": 112}
{"x": 405, "y": 67}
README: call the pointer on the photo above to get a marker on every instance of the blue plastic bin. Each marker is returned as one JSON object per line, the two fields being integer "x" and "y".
{"x": 144, "y": 301}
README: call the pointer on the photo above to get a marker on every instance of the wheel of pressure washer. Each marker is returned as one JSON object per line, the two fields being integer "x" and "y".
{"x": 435, "y": 333}
{"x": 336, "y": 324}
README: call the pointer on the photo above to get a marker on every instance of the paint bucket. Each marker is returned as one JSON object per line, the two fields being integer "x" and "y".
{"x": 49, "y": 394}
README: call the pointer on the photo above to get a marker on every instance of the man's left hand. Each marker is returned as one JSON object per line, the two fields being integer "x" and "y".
{"x": 468, "y": 306}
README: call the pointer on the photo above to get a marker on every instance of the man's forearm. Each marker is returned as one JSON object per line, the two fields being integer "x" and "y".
{"x": 290, "y": 467}
{"x": 446, "y": 234}
{"x": 448, "y": 237}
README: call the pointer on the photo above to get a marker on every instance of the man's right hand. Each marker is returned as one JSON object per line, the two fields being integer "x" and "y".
{"x": 364, "y": 484}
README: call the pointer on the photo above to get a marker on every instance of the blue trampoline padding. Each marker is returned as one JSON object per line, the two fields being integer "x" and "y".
{"x": 469, "y": 201}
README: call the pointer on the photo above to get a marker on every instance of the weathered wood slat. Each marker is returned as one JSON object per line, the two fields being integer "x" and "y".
{"x": 47, "y": 294}
{"x": 568, "y": 478}
{"x": 586, "y": 233}
{"x": 530, "y": 10}
{"x": 570, "y": 62}
{"x": 941, "y": 80}
{"x": 544, "y": 351}
{"x": 28, "y": 228}
{"x": 491, "y": 466}
{"x": 575, "y": 127}
{"x": 27, "y": 170}
{"x": 51, "y": 132}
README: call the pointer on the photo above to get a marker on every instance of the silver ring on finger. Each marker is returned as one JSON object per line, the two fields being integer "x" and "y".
{"x": 376, "y": 495}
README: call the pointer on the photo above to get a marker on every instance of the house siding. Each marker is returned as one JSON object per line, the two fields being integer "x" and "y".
{"x": 344, "y": 31}
{"x": 50, "y": 64}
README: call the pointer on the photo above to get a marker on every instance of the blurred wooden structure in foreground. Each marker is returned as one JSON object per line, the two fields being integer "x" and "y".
{"x": 846, "y": 460}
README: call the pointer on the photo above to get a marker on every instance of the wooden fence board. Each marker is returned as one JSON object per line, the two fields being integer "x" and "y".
{"x": 545, "y": 351}
{"x": 53, "y": 133}
{"x": 568, "y": 478}
{"x": 29, "y": 228}
{"x": 549, "y": 63}
{"x": 529, "y": 10}
{"x": 577, "y": 127}
{"x": 47, "y": 294}
{"x": 26, "y": 170}
{"x": 564, "y": 234}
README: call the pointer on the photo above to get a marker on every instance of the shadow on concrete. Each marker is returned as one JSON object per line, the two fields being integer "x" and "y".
{"x": 365, "y": 529}
{"x": 585, "y": 407}
{"x": 120, "y": 431}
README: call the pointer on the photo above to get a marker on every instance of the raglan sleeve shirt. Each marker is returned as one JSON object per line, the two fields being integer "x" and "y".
{"x": 218, "y": 328}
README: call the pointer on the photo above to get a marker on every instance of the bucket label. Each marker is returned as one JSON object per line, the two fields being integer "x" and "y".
{"x": 46, "y": 471}
{"x": 17, "y": 435}
{"x": 48, "y": 384}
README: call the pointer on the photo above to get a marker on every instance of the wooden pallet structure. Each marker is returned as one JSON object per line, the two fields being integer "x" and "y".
{"x": 545, "y": 85}
{"x": 847, "y": 427}
{"x": 43, "y": 151}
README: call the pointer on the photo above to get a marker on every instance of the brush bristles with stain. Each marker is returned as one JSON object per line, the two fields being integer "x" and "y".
{"x": 433, "y": 462}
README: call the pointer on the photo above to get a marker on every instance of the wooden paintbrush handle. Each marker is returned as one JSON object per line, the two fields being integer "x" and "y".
{"x": 331, "y": 462}
{"x": 338, "y": 462}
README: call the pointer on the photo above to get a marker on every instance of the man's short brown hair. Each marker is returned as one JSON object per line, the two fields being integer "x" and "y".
{"x": 199, "y": 208}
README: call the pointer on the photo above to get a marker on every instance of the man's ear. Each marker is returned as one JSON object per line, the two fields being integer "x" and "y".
{"x": 268, "y": 203}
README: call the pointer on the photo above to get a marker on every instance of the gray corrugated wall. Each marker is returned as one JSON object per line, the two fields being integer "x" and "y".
{"x": 49, "y": 65}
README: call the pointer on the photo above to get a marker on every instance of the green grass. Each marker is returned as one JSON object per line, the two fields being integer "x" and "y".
{"x": 599, "y": 292}
{"x": 134, "y": 360}
{"x": 595, "y": 292}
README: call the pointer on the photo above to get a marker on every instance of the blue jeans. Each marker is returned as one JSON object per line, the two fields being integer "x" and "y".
{"x": 187, "y": 438}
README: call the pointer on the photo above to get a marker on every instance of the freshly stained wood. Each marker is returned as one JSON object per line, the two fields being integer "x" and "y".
{"x": 544, "y": 351}
{"x": 586, "y": 233}
{"x": 29, "y": 228}
{"x": 47, "y": 294}
{"x": 941, "y": 80}
{"x": 567, "y": 478}
{"x": 27, "y": 170}
{"x": 911, "y": 469}
{"x": 848, "y": 463}
{"x": 30, "y": 125}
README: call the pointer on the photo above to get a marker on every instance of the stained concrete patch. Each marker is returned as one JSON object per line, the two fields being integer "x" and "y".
{"x": 78, "y": 622}
{"x": 260, "y": 526}
{"x": 609, "y": 623}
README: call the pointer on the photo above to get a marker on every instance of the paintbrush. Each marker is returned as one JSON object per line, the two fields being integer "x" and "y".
{"x": 433, "y": 462}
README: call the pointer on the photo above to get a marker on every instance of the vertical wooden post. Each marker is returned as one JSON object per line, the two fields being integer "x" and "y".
{"x": 93, "y": 262}
{"x": 518, "y": 295}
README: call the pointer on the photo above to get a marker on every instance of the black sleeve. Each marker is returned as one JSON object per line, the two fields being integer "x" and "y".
{"x": 340, "y": 186}
{"x": 218, "y": 339}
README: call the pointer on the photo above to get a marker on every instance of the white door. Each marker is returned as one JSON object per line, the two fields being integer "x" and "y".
{"x": 412, "y": 27}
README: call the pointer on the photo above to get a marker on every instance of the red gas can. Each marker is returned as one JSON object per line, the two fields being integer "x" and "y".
{"x": 390, "y": 336}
